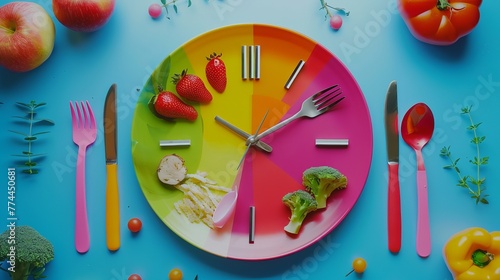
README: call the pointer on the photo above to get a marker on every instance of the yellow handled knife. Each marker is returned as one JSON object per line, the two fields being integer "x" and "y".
{"x": 112, "y": 192}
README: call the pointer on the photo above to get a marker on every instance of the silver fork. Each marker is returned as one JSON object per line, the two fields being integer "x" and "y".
{"x": 319, "y": 103}
{"x": 84, "y": 134}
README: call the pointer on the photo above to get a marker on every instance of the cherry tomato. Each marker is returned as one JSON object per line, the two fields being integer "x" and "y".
{"x": 134, "y": 225}
{"x": 134, "y": 277}
{"x": 175, "y": 274}
{"x": 335, "y": 22}
{"x": 359, "y": 265}
{"x": 155, "y": 10}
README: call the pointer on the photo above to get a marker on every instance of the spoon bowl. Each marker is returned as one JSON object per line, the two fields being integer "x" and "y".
{"x": 417, "y": 128}
{"x": 225, "y": 208}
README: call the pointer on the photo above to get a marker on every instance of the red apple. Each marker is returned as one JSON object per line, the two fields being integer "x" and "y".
{"x": 83, "y": 15}
{"x": 27, "y": 35}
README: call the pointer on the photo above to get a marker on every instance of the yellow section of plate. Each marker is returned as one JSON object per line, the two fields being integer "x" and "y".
{"x": 233, "y": 105}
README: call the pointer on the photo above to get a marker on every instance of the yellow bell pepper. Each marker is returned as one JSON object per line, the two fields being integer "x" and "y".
{"x": 470, "y": 254}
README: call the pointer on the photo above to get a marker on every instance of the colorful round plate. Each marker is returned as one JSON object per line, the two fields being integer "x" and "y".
{"x": 264, "y": 177}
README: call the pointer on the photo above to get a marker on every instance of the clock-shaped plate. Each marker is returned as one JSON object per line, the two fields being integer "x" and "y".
{"x": 263, "y": 178}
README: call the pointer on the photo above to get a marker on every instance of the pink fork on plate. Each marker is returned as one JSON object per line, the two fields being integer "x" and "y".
{"x": 84, "y": 134}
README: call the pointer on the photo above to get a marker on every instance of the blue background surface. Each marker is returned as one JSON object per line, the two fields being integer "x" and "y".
{"x": 374, "y": 44}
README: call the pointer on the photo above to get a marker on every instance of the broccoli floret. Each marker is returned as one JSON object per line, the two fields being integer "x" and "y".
{"x": 26, "y": 251}
{"x": 322, "y": 181}
{"x": 300, "y": 203}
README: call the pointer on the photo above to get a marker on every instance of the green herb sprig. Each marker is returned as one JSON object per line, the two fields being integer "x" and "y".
{"x": 30, "y": 118}
{"x": 325, "y": 6}
{"x": 475, "y": 185}
{"x": 165, "y": 4}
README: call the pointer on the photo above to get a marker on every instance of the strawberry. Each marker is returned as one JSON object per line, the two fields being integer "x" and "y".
{"x": 168, "y": 105}
{"x": 216, "y": 72}
{"x": 191, "y": 87}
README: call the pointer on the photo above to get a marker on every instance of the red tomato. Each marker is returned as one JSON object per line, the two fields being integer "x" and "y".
{"x": 134, "y": 225}
{"x": 440, "y": 22}
{"x": 134, "y": 277}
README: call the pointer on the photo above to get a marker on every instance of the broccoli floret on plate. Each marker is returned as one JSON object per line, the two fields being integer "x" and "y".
{"x": 322, "y": 181}
{"x": 300, "y": 203}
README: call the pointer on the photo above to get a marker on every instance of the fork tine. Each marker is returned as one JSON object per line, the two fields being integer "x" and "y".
{"x": 328, "y": 107}
{"x": 73, "y": 115}
{"x": 79, "y": 114}
{"x": 86, "y": 122}
{"x": 320, "y": 93}
{"x": 326, "y": 100}
{"x": 91, "y": 116}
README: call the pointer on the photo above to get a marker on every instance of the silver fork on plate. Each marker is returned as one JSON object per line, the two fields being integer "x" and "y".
{"x": 319, "y": 103}
{"x": 84, "y": 134}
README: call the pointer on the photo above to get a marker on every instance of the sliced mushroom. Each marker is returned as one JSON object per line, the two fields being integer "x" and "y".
{"x": 172, "y": 170}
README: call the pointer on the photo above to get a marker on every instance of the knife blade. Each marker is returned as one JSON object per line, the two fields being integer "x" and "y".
{"x": 392, "y": 140}
{"x": 112, "y": 191}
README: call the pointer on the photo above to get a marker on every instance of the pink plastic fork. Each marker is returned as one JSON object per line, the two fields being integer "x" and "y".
{"x": 84, "y": 134}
